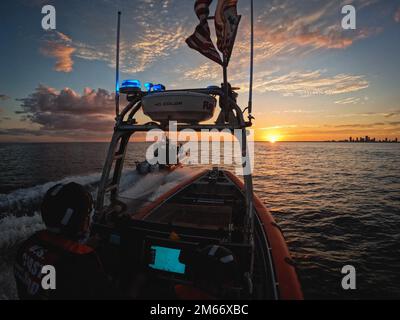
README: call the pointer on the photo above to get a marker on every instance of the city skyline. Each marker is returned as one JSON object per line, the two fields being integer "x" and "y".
{"x": 313, "y": 81}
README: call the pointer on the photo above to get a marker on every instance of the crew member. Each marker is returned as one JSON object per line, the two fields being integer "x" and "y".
{"x": 78, "y": 273}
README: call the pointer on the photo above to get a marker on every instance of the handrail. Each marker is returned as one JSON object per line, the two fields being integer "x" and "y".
{"x": 125, "y": 126}
{"x": 135, "y": 104}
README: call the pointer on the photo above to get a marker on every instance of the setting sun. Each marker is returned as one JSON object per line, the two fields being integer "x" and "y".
{"x": 272, "y": 138}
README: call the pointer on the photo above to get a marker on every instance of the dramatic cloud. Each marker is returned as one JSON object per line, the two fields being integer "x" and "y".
{"x": 311, "y": 83}
{"x": 67, "y": 110}
{"x": 288, "y": 24}
{"x": 58, "y": 45}
{"x": 136, "y": 55}
{"x": 284, "y": 28}
{"x": 152, "y": 36}
{"x": 289, "y": 29}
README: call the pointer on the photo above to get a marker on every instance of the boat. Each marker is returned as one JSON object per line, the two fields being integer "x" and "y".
{"x": 209, "y": 208}
{"x": 145, "y": 244}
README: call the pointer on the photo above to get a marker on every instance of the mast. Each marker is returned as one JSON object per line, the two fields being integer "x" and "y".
{"x": 248, "y": 179}
{"x": 250, "y": 104}
{"x": 117, "y": 66}
{"x": 225, "y": 111}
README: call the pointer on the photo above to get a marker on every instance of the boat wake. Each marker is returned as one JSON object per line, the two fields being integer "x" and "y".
{"x": 20, "y": 216}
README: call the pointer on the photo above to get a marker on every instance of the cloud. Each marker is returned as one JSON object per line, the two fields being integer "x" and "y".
{"x": 387, "y": 114}
{"x": 22, "y": 132}
{"x": 153, "y": 35}
{"x": 387, "y": 124}
{"x": 396, "y": 16}
{"x": 59, "y": 46}
{"x": 205, "y": 71}
{"x": 290, "y": 29}
{"x": 3, "y": 97}
{"x": 317, "y": 29}
{"x": 139, "y": 54}
{"x": 297, "y": 111}
{"x": 53, "y": 110}
{"x": 311, "y": 83}
{"x": 279, "y": 127}
{"x": 284, "y": 28}
{"x": 378, "y": 129}
{"x": 351, "y": 100}
{"x": 361, "y": 125}
{"x": 393, "y": 114}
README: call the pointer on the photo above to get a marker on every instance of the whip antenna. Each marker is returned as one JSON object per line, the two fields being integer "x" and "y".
{"x": 117, "y": 66}
{"x": 250, "y": 104}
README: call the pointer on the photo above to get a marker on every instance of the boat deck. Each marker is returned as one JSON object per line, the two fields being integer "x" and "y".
{"x": 206, "y": 204}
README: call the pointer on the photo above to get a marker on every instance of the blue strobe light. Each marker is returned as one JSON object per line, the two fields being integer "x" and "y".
{"x": 158, "y": 87}
{"x": 131, "y": 84}
{"x": 148, "y": 86}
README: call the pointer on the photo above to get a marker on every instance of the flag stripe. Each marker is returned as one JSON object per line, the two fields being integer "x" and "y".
{"x": 200, "y": 40}
{"x": 226, "y": 23}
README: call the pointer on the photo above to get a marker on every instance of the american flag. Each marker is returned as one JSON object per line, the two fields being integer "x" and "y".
{"x": 200, "y": 40}
{"x": 226, "y": 24}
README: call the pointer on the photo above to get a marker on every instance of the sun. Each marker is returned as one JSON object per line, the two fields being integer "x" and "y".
{"x": 272, "y": 138}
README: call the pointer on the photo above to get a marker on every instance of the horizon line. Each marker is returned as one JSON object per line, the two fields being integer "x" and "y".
{"x": 264, "y": 141}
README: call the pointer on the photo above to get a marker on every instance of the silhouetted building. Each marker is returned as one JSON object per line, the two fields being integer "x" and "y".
{"x": 369, "y": 139}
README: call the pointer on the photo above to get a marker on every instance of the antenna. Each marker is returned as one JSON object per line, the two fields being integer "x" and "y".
{"x": 250, "y": 104}
{"x": 117, "y": 67}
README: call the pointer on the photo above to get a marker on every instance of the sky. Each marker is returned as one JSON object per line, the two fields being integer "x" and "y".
{"x": 313, "y": 80}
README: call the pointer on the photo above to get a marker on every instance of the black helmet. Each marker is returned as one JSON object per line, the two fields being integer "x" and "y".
{"x": 66, "y": 209}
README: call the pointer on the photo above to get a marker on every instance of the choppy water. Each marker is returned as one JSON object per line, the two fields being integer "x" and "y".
{"x": 337, "y": 204}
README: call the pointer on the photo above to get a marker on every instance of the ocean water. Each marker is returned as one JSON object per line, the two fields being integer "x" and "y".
{"x": 337, "y": 203}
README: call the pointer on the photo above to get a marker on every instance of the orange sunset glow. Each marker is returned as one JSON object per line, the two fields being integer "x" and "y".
{"x": 313, "y": 81}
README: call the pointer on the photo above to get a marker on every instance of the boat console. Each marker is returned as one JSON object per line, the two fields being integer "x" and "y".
{"x": 161, "y": 254}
